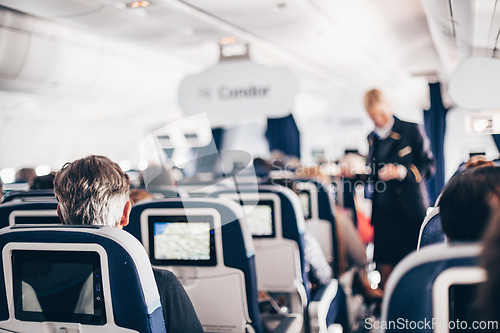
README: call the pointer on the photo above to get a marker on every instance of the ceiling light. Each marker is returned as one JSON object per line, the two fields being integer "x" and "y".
{"x": 479, "y": 125}
{"x": 125, "y": 165}
{"x": 138, "y": 4}
{"x": 143, "y": 164}
{"x": 8, "y": 175}
{"x": 42, "y": 170}
{"x": 227, "y": 40}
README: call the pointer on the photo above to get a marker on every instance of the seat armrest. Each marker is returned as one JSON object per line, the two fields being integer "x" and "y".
{"x": 291, "y": 324}
{"x": 320, "y": 306}
{"x": 288, "y": 322}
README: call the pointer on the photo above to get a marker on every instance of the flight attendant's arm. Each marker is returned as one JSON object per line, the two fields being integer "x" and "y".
{"x": 424, "y": 165}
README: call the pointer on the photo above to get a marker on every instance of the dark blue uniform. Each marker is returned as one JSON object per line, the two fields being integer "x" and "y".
{"x": 399, "y": 206}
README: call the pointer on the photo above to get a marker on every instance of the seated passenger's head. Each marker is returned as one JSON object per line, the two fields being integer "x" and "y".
{"x": 93, "y": 191}
{"x": 43, "y": 182}
{"x": 467, "y": 202}
{"x": 137, "y": 195}
{"x": 25, "y": 175}
{"x": 377, "y": 107}
{"x": 477, "y": 161}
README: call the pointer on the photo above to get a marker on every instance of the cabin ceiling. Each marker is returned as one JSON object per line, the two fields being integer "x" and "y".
{"x": 351, "y": 45}
{"x": 462, "y": 29}
{"x": 336, "y": 49}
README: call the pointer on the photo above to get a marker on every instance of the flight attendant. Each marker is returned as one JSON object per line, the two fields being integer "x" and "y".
{"x": 400, "y": 161}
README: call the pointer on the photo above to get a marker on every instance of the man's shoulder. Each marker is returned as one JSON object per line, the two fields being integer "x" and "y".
{"x": 164, "y": 276}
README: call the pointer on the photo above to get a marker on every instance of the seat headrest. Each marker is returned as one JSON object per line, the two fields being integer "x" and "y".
{"x": 41, "y": 195}
{"x": 130, "y": 279}
{"x": 409, "y": 291}
{"x": 8, "y": 208}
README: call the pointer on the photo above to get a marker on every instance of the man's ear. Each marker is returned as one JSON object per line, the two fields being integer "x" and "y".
{"x": 126, "y": 214}
{"x": 59, "y": 213}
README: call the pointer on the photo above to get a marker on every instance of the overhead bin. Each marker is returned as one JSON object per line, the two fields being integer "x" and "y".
{"x": 42, "y": 56}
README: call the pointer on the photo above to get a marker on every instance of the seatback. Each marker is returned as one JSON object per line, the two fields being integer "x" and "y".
{"x": 102, "y": 273}
{"x": 418, "y": 289}
{"x": 320, "y": 229}
{"x": 165, "y": 191}
{"x": 21, "y": 212}
{"x": 224, "y": 290}
{"x": 31, "y": 195}
{"x": 280, "y": 259}
{"x": 431, "y": 231}
{"x": 321, "y": 212}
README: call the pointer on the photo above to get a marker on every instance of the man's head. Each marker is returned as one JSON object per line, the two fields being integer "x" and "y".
{"x": 467, "y": 202}
{"x": 377, "y": 107}
{"x": 93, "y": 191}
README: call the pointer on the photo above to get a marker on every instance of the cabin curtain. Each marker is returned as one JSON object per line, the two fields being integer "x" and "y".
{"x": 496, "y": 138}
{"x": 218, "y": 135}
{"x": 210, "y": 163}
{"x": 283, "y": 134}
{"x": 435, "y": 127}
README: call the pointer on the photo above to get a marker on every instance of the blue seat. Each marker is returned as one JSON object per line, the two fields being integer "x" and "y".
{"x": 31, "y": 195}
{"x": 418, "y": 287}
{"x": 281, "y": 264}
{"x": 165, "y": 191}
{"x": 233, "y": 273}
{"x": 431, "y": 231}
{"x": 321, "y": 212}
{"x": 28, "y": 212}
{"x": 101, "y": 270}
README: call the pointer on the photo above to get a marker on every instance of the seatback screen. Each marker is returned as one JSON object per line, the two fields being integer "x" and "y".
{"x": 260, "y": 218}
{"x": 176, "y": 241}
{"x": 461, "y": 306}
{"x": 60, "y": 286}
{"x": 305, "y": 200}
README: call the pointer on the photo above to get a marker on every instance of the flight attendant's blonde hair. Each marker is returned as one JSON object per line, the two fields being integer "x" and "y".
{"x": 373, "y": 97}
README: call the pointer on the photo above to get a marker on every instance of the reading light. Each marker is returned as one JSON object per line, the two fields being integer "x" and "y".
{"x": 479, "y": 125}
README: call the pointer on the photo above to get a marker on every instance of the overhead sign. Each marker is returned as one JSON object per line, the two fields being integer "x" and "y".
{"x": 238, "y": 88}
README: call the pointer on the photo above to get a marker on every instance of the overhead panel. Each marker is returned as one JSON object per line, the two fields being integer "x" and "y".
{"x": 53, "y": 8}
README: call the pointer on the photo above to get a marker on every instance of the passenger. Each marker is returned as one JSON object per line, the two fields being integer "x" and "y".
{"x": 320, "y": 272}
{"x": 351, "y": 252}
{"x": 25, "y": 175}
{"x": 349, "y": 165}
{"x": 474, "y": 162}
{"x": 467, "y": 202}
{"x": 488, "y": 300}
{"x": 478, "y": 160}
{"x": 262, "y": 167}
{"x": 95, "y": 191}
{"x": 43, "y": 182}
{"x": 401, "y": 160}
{"x": 137, "y": 195}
